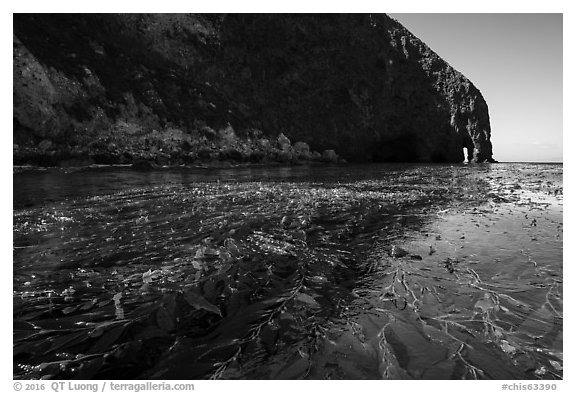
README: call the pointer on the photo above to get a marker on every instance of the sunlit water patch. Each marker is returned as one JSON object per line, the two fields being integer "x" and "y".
{"x": 348, "y": 272}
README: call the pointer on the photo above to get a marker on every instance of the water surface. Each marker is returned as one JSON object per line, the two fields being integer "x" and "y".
{"x": 355, "y": 272}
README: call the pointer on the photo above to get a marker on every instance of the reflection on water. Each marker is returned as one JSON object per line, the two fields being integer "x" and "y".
{"x": 383, "y": 271}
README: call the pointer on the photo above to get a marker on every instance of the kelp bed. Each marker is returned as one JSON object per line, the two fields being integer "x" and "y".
{"x": 419, "y": 272}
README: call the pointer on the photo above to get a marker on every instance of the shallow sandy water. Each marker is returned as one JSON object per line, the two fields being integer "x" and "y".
{"x": 290, "y": 273}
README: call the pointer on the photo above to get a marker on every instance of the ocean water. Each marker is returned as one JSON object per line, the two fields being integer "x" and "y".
{"x": 342, "y": 272}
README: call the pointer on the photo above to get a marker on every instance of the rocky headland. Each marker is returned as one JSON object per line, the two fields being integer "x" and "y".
{"x": 185, "y": 89}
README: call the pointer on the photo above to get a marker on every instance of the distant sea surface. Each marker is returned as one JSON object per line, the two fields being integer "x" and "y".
{"x": 393, "y": 271}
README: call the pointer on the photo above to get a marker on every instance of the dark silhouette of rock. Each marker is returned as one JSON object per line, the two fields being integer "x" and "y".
{"x": 302, "y": 151}
{"x": 227, "y": 135}
{"x": 329, "y": 156}
{"x": 397, "y": 252}
{"x": 358, "y": 84}
{"x": 284, "y": 143}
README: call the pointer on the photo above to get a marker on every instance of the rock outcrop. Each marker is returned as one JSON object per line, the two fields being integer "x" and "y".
{"x": 109, "y": 87}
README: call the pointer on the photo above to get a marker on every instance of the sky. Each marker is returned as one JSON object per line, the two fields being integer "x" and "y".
{"x": 515, "y": 60}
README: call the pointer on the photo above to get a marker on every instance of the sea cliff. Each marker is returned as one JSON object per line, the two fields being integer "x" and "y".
{"x": 155, "y": 89}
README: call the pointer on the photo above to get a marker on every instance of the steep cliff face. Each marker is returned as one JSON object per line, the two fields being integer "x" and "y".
{"x": 359, "y": 84}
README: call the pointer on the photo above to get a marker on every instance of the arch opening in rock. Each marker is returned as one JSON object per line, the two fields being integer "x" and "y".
{"x": 468, "y": 149}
